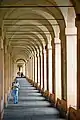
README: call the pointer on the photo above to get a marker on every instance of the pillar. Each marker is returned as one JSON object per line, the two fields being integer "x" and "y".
{"x": 45, "y": 83}
{"x": 50, "y": 67}
{"x": 6, "y": 79}
{"x": 63, "y": 65}
{"x": 71, "y": 43}
{"x": 39, "y": 69}
{"x": 78, "y": 60}
{"x": 31, "y": 67}
{"x": 35, "y": 68}
{"x": 53, "y": 67}
{"x": 57, "y": 43}
{"x": 1, "y": 75}
{"x": 15, "y": 69}
{"x": 9, "y": 73}
{"x": 42, "y": 67}
{"x": 26, "y": 68}
{"x": 45, "y": 69}
{"x": 11, "y": 69}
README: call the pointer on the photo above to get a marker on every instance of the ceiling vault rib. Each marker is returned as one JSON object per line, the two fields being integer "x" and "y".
{"x": 31, "y": 19}
{"x": 30, "y": 31}
{"x": 22, "y": 38}
{"x": 28, "y": 25}
{"x": 35, "y": 6}
{"x": 26, "y": 34}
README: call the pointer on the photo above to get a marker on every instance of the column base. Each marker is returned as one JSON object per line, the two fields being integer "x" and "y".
{"x": 62, "y": 107}
{"x": 5, "y": 99}
{"x": 1, "y": 109}
{"x": 1, "y": 115}
{"x": 9, "y": 90}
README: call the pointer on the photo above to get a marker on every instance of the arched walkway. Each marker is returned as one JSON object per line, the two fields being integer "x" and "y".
{"x": 40, "y": 41}
{"x": 32, "y": 105}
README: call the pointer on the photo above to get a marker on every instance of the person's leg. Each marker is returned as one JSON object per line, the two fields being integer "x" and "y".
{"x": 17, "y": 96}
{"x": 14, "y": 96}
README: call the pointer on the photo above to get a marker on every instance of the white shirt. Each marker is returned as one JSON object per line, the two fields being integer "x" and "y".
{"x": 16, "y": 85}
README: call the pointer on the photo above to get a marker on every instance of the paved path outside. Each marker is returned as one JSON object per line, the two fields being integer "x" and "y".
{"x": 31, "y": 106}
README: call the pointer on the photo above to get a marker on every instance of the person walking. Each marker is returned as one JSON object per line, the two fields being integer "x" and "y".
{"x": 16, "y": 88}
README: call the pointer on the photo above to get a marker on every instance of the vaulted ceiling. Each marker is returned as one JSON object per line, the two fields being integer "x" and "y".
{"x": 29, "y": 25}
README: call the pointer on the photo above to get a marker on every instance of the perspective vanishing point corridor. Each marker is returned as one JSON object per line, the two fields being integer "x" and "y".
{"x": 40, "y": 46}
{"x": 31, "y": 106}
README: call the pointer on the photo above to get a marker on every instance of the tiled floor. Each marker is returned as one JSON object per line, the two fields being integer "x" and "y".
{"x": 31, "y": 106}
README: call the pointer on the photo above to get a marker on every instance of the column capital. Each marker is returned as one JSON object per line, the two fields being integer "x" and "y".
{"x": 41, "y": 52}
{"x": 44, "y": 51}
{"x": 57, "y": 40}
{"x": 49, "y": 45}
{"x": 0, "y": 31}
{"x": 1, "y": 43}
{"x": 5, "y": 49}
{"x": 71, "y": 31}
{"x": 36, "y": 55}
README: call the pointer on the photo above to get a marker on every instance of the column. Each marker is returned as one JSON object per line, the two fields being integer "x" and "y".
{"x": 78, "y": 60}
{"x": 11, "y": 70}
{"x": 9, "y": 62}
{"x": 15, "y": 69}
{"x": 71, "y": 43}
{"x": 63, "y": 65}
{"x": 39, "y": 69}
{"x": 50, "y": 67}
{"x": 57, "y": 68}
{"x": 35, "y": 68}
{"x": 26, "y": 69}
{"x": 45, "y": 71}
{"x": 53, "y": 67}
{"x": 6, "y": 79}
{"x": 47, "y": 68}
{"x": 29, "y": 68}
{"x": 42, "y": 70}
{"x": 31, "y": 65}
{"x": 1, "y": 75}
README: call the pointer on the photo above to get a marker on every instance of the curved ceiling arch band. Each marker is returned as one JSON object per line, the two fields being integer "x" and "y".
{"x": 28, "y": 37}
{"x": 19, "y": 50}
{"x": 34, "y": 48}
{"x": 31, "y": 44}
{"x": 27, "y": 49}
{"x": 21, "y": 59}
{"x": 23, "y": 42}
{"x": 36, "y": 36}
{"x": 42, "y": 26}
